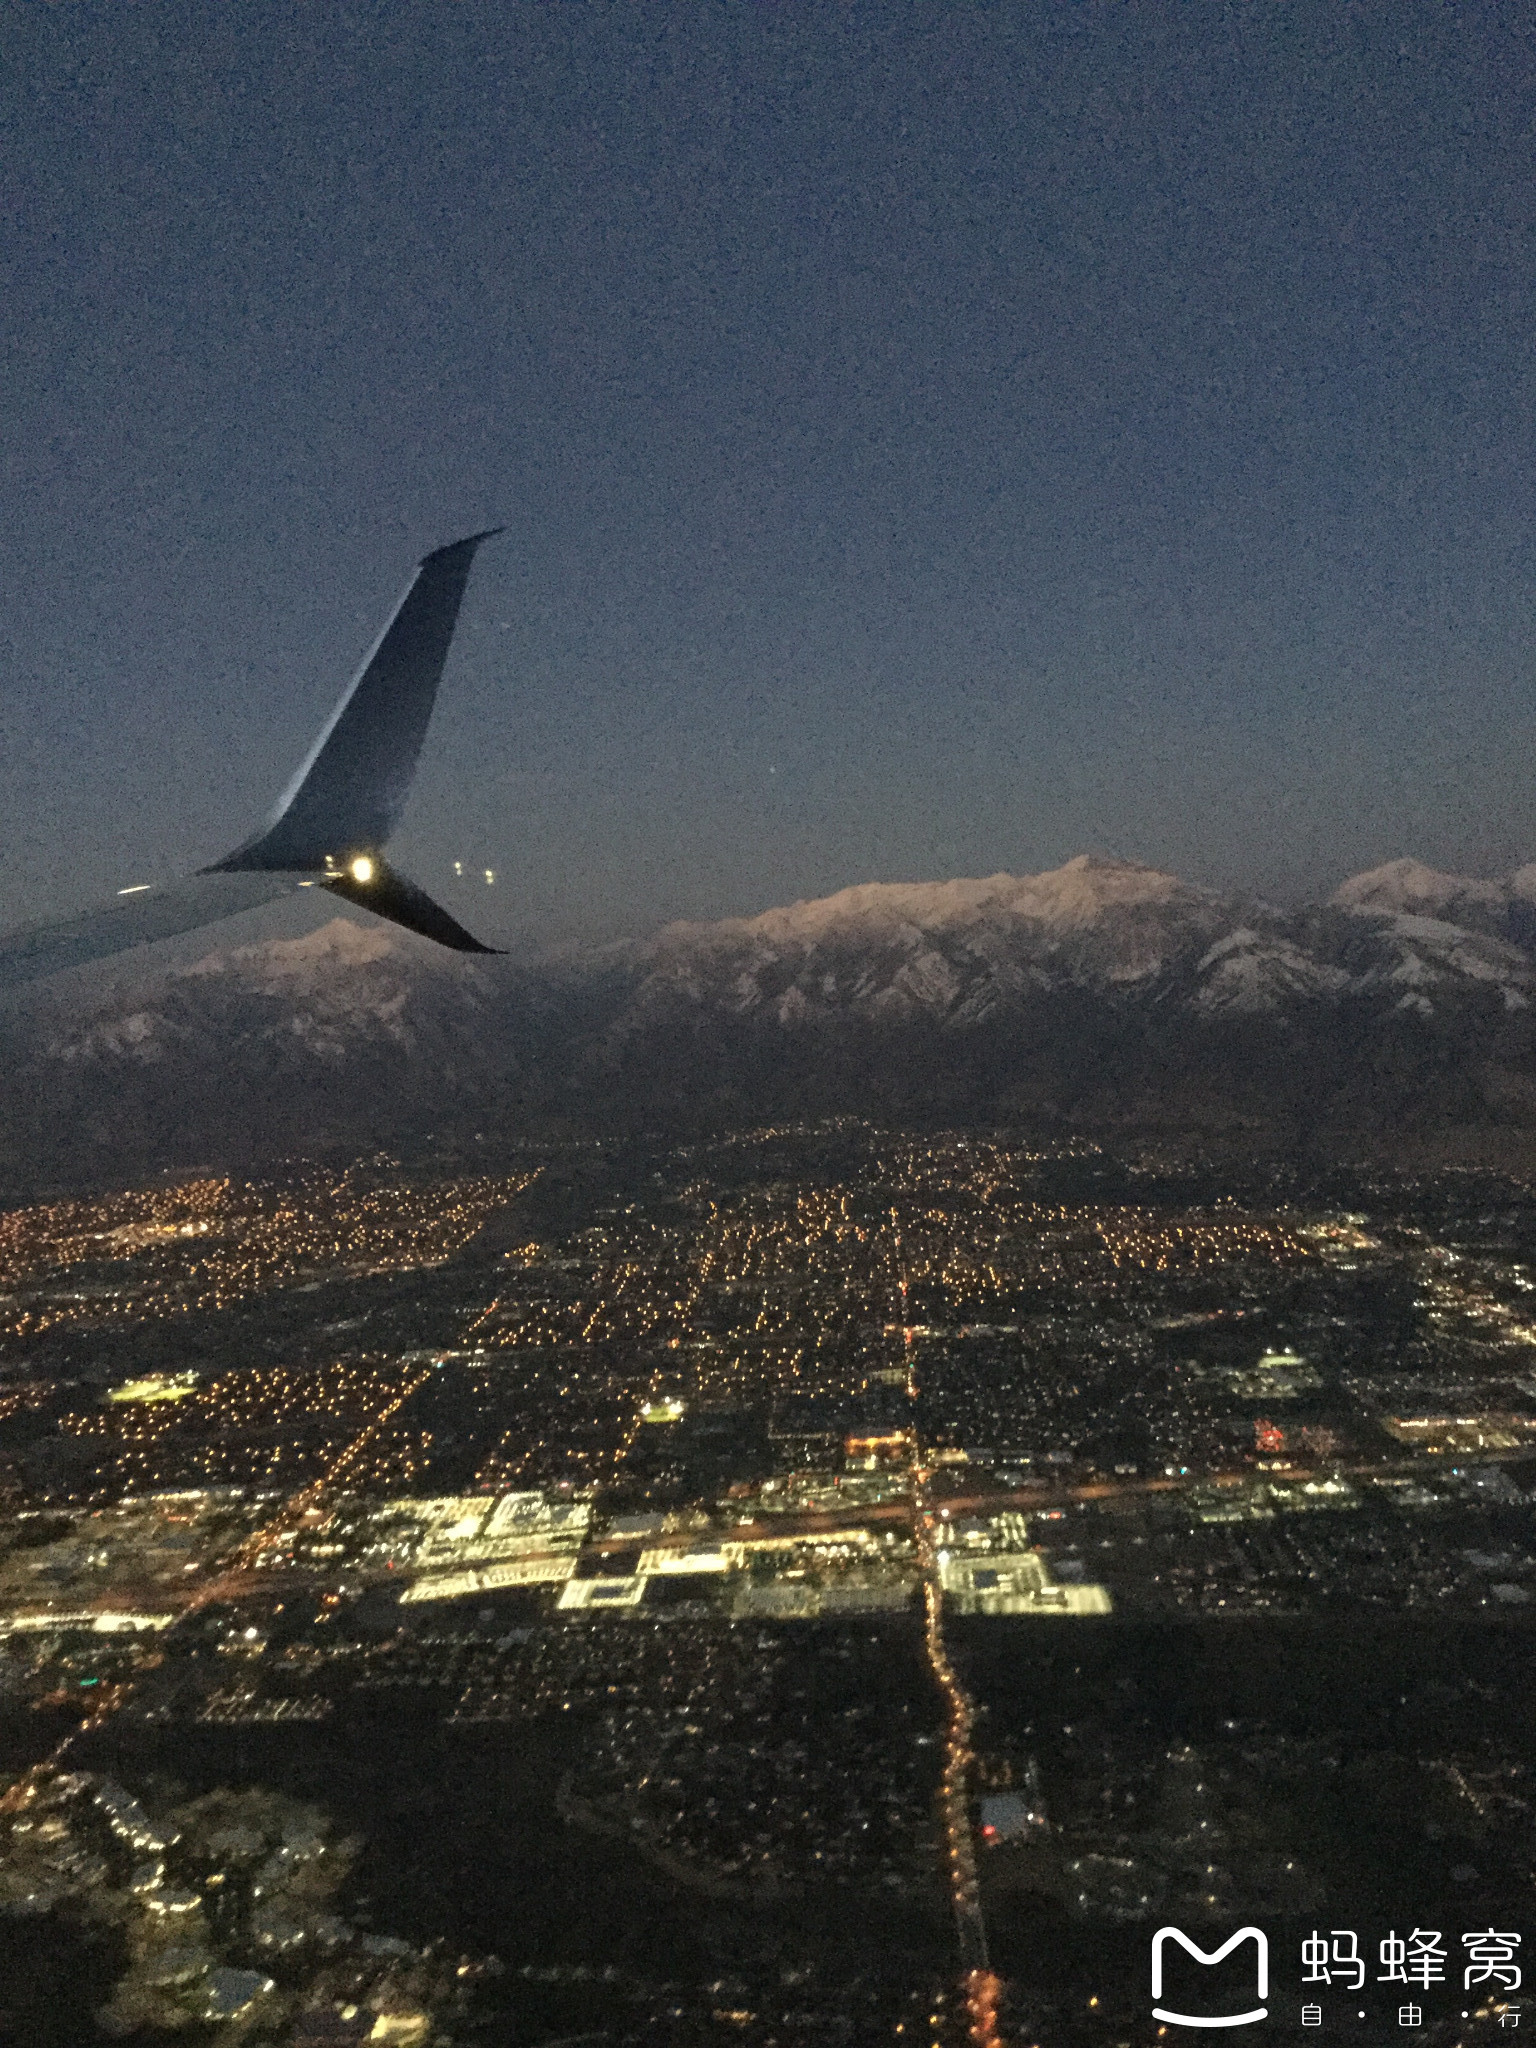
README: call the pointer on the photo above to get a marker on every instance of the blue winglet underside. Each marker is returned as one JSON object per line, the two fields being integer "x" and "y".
{"x": 348, "y": 794}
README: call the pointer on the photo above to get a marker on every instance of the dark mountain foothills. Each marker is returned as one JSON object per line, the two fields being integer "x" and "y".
{"x": 1113, "y": 1001}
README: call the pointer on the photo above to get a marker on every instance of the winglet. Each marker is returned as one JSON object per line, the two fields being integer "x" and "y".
{"x": 348, "y": 793}
{"x": 388, "y": 894}
{"x": 470, "y": 540}
{"x": 330, "y": 823}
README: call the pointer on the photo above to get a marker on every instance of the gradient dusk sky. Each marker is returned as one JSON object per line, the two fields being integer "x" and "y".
{"x": 932, "y": 439}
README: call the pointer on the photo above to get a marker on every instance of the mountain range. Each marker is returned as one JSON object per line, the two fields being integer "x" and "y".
{"x": 1398, "y": 1018}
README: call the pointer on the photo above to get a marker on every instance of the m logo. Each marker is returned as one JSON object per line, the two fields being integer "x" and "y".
{"x": 1217, "y": 1955}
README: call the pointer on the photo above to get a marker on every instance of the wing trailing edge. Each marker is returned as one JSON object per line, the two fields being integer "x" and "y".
{"x": 138, "y": 919}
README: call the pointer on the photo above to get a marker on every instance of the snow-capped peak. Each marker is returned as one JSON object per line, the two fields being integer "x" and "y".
{"x": 341, "y": 943}
{"x": 1411, "y": 885}
{"x": 1070, "y": 898}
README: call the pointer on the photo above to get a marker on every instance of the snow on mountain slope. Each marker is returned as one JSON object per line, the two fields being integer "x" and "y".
{"x": 340, "y": 946}
{"x": 1409, "y": 885}
{"x": 1423, "y": 953}
{"x": 961, "y": 953}
{"x": 1069, "y": 898}
{"x": 319, "y": 995}
{"x": 1433, "y": 929}
{"x": 1099, "y": 988}
{"x": 1505, "y": 907}
{"x": 951, "y": 949}
{"x": 1248, "y": 973}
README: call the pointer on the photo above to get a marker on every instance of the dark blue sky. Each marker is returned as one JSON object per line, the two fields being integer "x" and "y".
{"x": 932, "y": 439}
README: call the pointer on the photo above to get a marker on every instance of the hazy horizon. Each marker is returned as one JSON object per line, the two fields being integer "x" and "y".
{"x": 531, "y": 941}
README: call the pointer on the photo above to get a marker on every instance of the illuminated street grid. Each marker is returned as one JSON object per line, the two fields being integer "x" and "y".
{"x": 749, "y": 1348}
{"x": 782, "y": 1291}
{"x": 723, "y": 1468}
{"x": 208, "y": 1243}
{"x": 265, "y": 1424}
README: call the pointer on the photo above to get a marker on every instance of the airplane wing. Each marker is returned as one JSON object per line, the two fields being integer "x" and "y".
{"x": 330, "y": 825}
{"x": 133, "y": 919}
{"x": 346, "y": 796}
